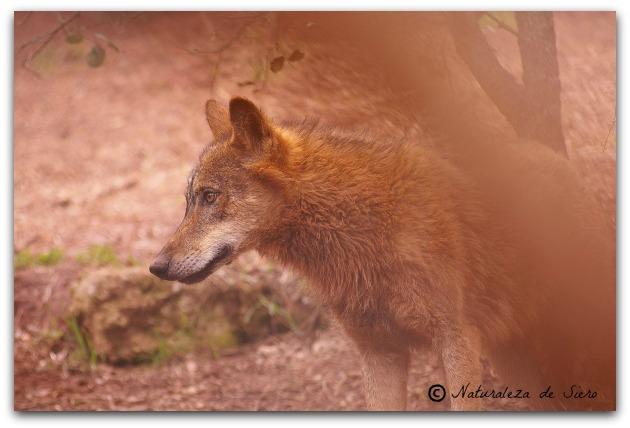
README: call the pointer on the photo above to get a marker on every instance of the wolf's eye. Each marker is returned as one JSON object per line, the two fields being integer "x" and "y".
{"x": 209, "y": 196}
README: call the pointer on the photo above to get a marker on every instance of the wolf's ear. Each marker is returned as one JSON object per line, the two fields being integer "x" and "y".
{"x": 219, "y": 120}
{"x": 250, "y": 126}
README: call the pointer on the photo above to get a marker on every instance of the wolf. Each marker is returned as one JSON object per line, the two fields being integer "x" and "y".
{"x": 506, "y": 259}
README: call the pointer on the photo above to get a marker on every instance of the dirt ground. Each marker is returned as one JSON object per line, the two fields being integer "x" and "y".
{"x": 285, "y": 372}
{"x": 101, "y": 156}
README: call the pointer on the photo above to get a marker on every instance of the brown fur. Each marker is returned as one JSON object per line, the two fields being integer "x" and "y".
{"x": 505, "y": 258}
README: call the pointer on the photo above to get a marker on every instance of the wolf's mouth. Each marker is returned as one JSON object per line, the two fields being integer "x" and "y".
{"x": 210, "y": 267}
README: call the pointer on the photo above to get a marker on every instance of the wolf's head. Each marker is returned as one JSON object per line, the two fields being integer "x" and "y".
{"x": 232, "y": 199}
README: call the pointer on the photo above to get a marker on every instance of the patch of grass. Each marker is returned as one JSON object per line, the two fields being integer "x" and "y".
{"x": 85, "y": 347}
{"x": 273, "y": 309}
{"x": 100, "y": 255}
{"x": 163, "y": 353}
{"x": 50, "y": 258}
{"x": 25, "y": 258}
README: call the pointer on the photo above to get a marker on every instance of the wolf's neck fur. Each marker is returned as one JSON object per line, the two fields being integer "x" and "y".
{"x": 347, "y": 198}
{"x": 364, "y": 214}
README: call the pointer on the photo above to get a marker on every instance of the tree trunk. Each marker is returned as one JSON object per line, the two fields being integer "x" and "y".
{"x": 533, "y": 108}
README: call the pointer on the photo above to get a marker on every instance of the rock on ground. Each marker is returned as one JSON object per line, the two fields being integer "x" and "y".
{"x": 128, "y": 315}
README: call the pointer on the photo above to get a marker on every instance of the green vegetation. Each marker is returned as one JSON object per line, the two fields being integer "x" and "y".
{"x": 99, "y": 255}
{"x": 51, "y": 257}
{"x": 25, "y": 258}
{"x": 273, "y": 309}
{"x": 104, "y": 255}
{"x": 84, "y": 346}
{"x": 95, "y": 255}
{"x": 163, "y": 353}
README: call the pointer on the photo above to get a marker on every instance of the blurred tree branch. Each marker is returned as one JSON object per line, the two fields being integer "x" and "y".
{"x": 230, "y": 41}
{"x": 532, "y": 108}
{"x": 44, "y": 40}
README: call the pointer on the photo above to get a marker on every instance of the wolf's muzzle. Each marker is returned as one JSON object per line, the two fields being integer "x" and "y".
{"x": 159, "y": 267}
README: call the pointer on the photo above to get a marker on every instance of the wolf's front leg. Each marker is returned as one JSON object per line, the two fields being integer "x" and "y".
{"x": 462, "y": 365}
{"x": 385, "y": 378}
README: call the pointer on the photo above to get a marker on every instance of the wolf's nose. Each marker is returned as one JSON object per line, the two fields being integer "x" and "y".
{"x": 159, "y": 267}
